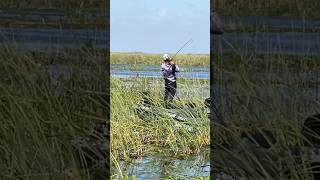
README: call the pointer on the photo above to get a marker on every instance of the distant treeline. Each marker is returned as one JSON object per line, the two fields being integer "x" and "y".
{"x": 288, "y": 8}
{"x": 54, "y": 4}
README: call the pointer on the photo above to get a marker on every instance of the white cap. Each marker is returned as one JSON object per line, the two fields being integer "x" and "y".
{"x": 166, "y": 57}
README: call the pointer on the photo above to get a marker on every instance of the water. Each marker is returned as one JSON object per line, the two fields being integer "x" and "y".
{"x": 285, "y": 42}
{"x": 153, "y": 71}
{"x": 271, "y": 22}
{"x": 48, "y": 40}
{"x": 48, "y": 15}
{"x": 293, "y": 43}
{"x": 128, "y": 74}
{"x": 159, "y": 166}
{"x": 155, "y": 67}
{"x": 51, "y": 40}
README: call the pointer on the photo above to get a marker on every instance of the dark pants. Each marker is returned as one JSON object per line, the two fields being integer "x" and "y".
{"x": 170, "y": 90}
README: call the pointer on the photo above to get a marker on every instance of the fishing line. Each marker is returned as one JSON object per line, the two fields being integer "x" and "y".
{"x": 190, "y": 40}
{"x": 184, "y": 45}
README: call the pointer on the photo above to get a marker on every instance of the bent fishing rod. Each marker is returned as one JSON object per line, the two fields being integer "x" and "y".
{"x": 190, "y": 40}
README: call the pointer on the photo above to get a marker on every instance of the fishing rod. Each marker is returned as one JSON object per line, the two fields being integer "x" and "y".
{"x": 190, "y": 40}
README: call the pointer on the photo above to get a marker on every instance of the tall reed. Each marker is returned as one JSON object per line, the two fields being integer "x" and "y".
{"x": 152, "y": 59}
{"x": 133, "y": 136}
{"x": 286, "y": 8}
{"x": 273, "y": 93}
{"x": 42, "y": 116}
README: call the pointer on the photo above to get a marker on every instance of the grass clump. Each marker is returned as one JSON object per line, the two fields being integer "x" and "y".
{"x": 264, "y": 94}
{"x": 133, "y": 136}
{"x": 42, "y": 117}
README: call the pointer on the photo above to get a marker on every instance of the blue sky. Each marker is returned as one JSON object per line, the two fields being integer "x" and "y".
{"x": 161, "y": 26}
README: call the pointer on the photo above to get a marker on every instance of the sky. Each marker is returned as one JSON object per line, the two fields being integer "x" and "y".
{"x": 161, "y": 26}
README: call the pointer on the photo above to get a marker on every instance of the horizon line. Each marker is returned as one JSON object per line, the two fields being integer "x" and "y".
{"x": 155, "y": 53}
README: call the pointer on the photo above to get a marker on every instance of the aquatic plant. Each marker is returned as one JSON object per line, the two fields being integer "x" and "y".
{"x": 260, "y": 97}
{"x": 155, "y": 59}
{"x": 286, "y": 8}
{"x": 133, "y": 136}
{"x": 51, "y": 4}
{"x": 45, "y": 118}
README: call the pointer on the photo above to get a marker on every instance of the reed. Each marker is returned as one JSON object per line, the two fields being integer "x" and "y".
{"x": 286, "y": 8}
{"x": 41, "y": 117}
{"x": 151, "y": 59}
{"x": 133, "y": 136}
{"x": 51, "y": 4}
{"x": 265, "y": 93}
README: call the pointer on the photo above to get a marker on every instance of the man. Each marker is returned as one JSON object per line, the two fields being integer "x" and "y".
{"x": 169, "y": 69}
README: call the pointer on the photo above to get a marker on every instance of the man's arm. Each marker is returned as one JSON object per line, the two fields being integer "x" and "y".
{"x": 163, "y": 70}
{"x": 177, "y": 68}
{"x": 174, "y": 66}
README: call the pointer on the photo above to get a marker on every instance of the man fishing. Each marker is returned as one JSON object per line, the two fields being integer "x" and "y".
{"x": 169, "y": 69}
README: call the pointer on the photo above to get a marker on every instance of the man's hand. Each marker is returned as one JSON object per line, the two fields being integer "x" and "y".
{"x": 171, "y": 62}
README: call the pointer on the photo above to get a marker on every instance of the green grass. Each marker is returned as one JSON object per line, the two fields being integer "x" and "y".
{"x": 73, "y": 18}
{"x": 286, "y": 8}
{"x": 264, "y": 92}
{"x": 238, "y": 28}
{"x": 38, "y": 125}
{"x": 77, "y": 14}
{"x": 72, "y": 24}
{"x": 54, "y": 4}
{"x": 133, "y": 137}
{"x": 152, "y": 59}
{"x": 251, "y": 103}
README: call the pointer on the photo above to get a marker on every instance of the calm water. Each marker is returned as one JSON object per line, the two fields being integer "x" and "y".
{"x": 51, "y": 40}
{"x": 271, "y": 22}
{"x": 190, "y": 72}
{"x": 286, "y": 42}
{"x": 158, "y": 167}
{"x": 51, "y": 15}
{"x": 153, "y": 71}
{"x": 292, "y": 43}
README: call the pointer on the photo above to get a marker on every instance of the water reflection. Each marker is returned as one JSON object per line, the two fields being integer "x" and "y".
{"x": 190, "y": 72}
{"x": 159, "y": 166}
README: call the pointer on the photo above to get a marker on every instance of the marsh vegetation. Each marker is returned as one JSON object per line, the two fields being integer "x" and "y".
{"x": 155, "y": 59}
{"x": 307, "y": 9}
{"x": 134, "y": 136}
{"x": 46, "y": 119}
{"x": 265, "y": 98}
